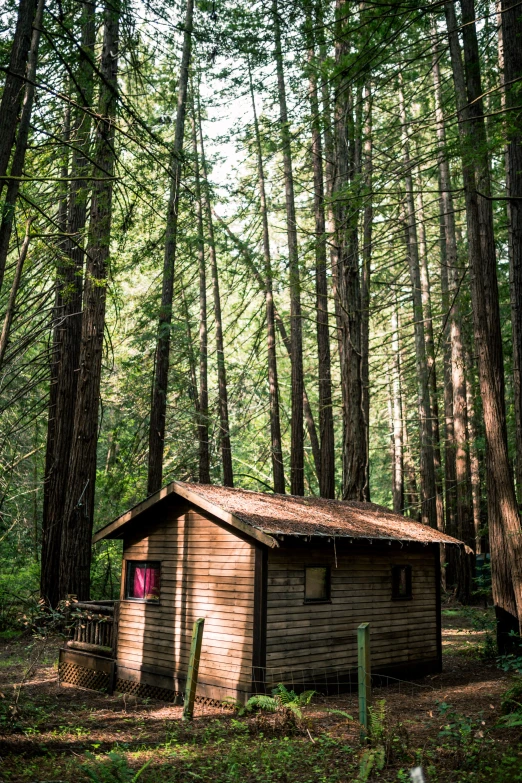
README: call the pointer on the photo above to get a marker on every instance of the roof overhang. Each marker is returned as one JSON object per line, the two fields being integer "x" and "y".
{"x": 175, "y": 488}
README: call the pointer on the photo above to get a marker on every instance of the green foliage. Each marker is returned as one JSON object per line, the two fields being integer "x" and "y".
{"x": 112, "y": 768}
{"x": 465, "y": 737}
{"x": 372, "y": 759}
{"x": 512, "y": 697}
{"x": 281, "y": 698}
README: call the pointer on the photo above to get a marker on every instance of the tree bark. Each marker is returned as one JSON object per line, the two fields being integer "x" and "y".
{"x": 67, "y": 334}
{"x": 278, "y": 470}
{"x": 427, "y": 465}
{"x": 430, "y": 352}
{"x": 397, "y": 429}
{"x": 504, "y": 521}
{"x": 224, "y": 426}
{"x": 347, "y": 282}
{"x": 202, "y": 408}
{"x": 511, "y": 37}
{"x": 78, "y": 518}
{"x": 326, "y": 429}
{"x": 11, "y": 304}
{"x": 14, "y": 83}
{"x": 366, "y": 270}
{"x": 296, "y": 327}
{"x": 17, "y": 165}
{"x": 162, "y": 356}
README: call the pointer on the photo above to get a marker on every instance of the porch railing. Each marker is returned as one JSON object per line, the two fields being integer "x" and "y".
{"x": 94, "y": 627}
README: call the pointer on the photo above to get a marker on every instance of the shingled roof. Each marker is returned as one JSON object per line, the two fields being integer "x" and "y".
{"x": 267, "y": 516}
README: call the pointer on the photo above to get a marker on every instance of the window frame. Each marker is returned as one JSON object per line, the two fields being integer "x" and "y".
{"x": 396, "y": 582}
{"x": 328, "y": 599}
{"x": 128, "y": 570}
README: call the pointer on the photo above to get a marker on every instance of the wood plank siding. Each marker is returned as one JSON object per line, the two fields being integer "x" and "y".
{"x": 323, "y": 635}
{"x": 206, "y": 571}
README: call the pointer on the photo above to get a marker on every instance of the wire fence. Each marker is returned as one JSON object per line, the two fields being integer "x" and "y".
{"x": 334, "y": 680}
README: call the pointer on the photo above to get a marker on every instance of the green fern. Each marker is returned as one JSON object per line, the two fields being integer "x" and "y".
{"x": 259, "y": 702}
{"x": 377, "y": 725}
{"x": 281, "y": 698}
{"x": 372, "y": 758}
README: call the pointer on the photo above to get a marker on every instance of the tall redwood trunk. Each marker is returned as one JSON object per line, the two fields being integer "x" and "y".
{"x": 430, "y": 349}
{"x": 504, "y": 522}
{"x": 224, "y": 425}
{"x": 278, "y": 470}
{"x": 68, "y": 318}
{"x": 511, "y": 33}
{"x": 464, "y": 528}
{"x": 79, "y": 508}
{"x": 202, "y": 407}
{"x": 396, "y": 418}
{"x": 13, "y": 92}
{"x": 162, "y": 356}
{"x": 17, "y": 164}
{"x": 367, "y": 168}
{"x": 347, "y": 280}
{"x": 327, "y": 474}
{"x": 427, "y": 463}
{"x": 296, "y": 327}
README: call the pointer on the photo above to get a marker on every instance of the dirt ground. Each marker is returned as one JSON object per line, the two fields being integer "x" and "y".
{"x": 48, "y": 723}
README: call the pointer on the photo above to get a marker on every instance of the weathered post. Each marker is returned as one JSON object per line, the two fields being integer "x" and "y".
{"x": 364, "y": 666}
{"x": 193, "y": 669}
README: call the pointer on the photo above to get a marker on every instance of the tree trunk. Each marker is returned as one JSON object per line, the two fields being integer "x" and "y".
{"x": 397, "y": 429}
{"x": 224, "y": 426}
{"x": 430, "y": 351}
{"x": 327, "y": 474}
{"x": 504, "y": 522}
{"x": 79, "y": 509}
{"x": 464, "y": 529}
{"x": 11, "y": 304}
{"x": 427, "y": 464}
{"x": 202, "y": 412}
{"x": 14, "y": 83}
{"x": 366, "y": 271}
{"x": 17, "y": 165}
{"x": 474, "y": 463}
{"x": 511, "y": 34}
{"x": 162, "y": 356}
{"x": 67, "y": 334}
{"x": 278, "y": 470}
{"x": 296, "y": 327}
{"x": 347, "y": 281}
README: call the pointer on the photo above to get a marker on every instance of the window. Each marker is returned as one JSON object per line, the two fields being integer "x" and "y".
{"x": 317, "y": 583}
{"x": 143, "y": 581}
{"x": 401, "y": 582}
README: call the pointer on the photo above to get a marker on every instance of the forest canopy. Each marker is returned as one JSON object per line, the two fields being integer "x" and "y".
{"x": 268, "y": 245}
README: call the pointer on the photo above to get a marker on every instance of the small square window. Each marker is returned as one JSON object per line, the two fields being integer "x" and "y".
{"x": 317, "y": 583}
{"x": 143, "y": 581}
{"x": 401, "y": 582}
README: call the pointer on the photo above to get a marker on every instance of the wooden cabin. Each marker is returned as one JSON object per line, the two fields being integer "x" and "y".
{"x": 283, "y": 583}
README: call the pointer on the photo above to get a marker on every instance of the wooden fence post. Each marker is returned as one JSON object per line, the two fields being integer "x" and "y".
{"x": 365, "y": 677}
{"x": 193, "y": 669}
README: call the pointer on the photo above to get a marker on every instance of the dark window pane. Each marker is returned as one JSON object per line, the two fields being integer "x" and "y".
{"x": 316, "y": 584}
{"x": 143, "y": 581}
{"x": 401, "y": 581}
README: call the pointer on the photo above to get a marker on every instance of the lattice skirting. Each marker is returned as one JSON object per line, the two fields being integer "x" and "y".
{"x": 145, "y": 691}
{"x": 82, "y": 677}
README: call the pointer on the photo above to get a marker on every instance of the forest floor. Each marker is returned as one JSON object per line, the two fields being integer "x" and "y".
{"x": 447, "y": 723}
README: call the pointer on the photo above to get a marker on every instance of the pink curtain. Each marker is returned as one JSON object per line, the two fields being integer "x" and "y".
{"x": 146, "y": 583}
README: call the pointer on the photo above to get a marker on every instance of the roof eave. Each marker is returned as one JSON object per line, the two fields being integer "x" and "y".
{"x": 178, "y": 489}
